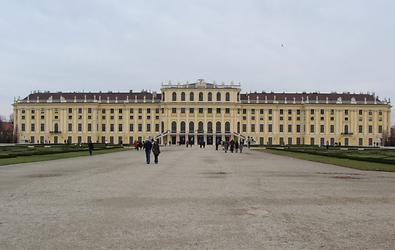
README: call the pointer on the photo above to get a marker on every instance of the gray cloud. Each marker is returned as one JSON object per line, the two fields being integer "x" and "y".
{"x": 122, "y": 45}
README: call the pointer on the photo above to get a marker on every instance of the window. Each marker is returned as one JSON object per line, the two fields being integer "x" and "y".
{"x": 148, "y": 111}
{"x": 200, "y": 110}
{"x": 182, "y": 110}
{"x": 209, "y": 96}
{"x": 80, "y": 111}
{"x": 312, "y": 111}
{"x": 70, "y": 110}
{"x": 322, "y": 128}
{"x": 156, "y": 127}
{"x": 270, "y": 128}
{"x": 312, "y": 141}
{"x": 218, "y": 127}
{"x": 111, "y": 127}
{"x": 332, "y": 129}
{"x": 345, "y": 129}
{"x": 298, "y": 128}
{"x": 281, "y": 128}
{"x": 131, "y": 127}
{"x": 79, "y": 127}
{"x": 360, "y": 112}
{"x": 112, "y": 111}
{"x": 174, "y": 127}
{"x": 370, "y": 129}
{"x": 210, "y": 110}
{"x": 360, "y": 129}
{"x": 23, "y": 127}
{"x": 89, "y": 127}
{"x": 148, "y": 127}
{"x": 191, "y": 110}
{"x": 174, "y": 110}
{"x": 191, "y": 127}
{"x": 261, "y": 128}
{"x": 270, "y": 111}
{"x": 140, "y": 110}
{"x": 253, "y": 128}
{"x": 380, "y": 129}
{"x": 42, "y": 127}
{"x": 191, "y": 97}
{"x": 346, "y": 112}
{"x": 103, "y": 127}
{"x": 289, "y": 128}
{"x": 200, "y": 96}
{"x": 32, "y": 127}
{"x": 227, "y": 97}
{"x": 183, "y": 96}
{"x": 289, "y": 140}
{"x": 281, "y": 111}
{"x": 218, "y": 110}
{"x": 311, "y": 128}
{"x": 360, "y": 141}
{"x": 244, "y": 127}
{"x": 174, "y": 96}
{"x": 140, "y": 127}
{"x": 119, "y": 127}
{"x": 182, "y": 127}
{"x": 90, "y": 111}
{"x": 322, "y": 111}
{"x": 227, "y": 110}
{"x": 218, "y": 97}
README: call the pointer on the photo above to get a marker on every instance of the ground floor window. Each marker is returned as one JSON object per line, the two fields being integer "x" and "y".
{"x": 322, "y": 141}
{"x": 31, "y": 139}
{"x": 332, "y": 141}
{"x": 312, "y": 141}
{"x": 346, "y": 141}
{"x": 289, "y": 140}
{"x": 261, "y": 140}
{"x": 360, "y": 143}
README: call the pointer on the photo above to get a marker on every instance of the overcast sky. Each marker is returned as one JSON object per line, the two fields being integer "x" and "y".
{"x": 92, "y": 45}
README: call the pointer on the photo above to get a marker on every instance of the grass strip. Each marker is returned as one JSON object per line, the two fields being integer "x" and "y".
{"x": 356, "y": 164}
{"x": 49, "y": 157}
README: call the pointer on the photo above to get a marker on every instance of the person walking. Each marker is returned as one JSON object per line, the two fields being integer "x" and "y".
{"x": 156, "y": 151}
{"x": 232, "y": 145}
{"x": 236, "y": 146}
{"x": 90, "y": 147}
{"x": 241, "y": 146}
{"x": 148, "y": 147}
{"x": 216, "y": 145}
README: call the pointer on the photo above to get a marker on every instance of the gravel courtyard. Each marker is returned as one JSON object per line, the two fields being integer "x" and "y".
{"x": 195, "y": 198}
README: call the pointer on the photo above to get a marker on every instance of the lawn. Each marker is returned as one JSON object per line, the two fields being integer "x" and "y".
{"x": 371, "y": 159}
{"x": 23, "y": 154}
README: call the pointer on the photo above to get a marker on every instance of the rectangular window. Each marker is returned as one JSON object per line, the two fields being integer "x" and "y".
{"x": 244, "y": 128}
{"x": 252, "y": 128}
{"x": 281, "y": 128}
{"x": 200, "y": 110}
{"x": 380, "y": 129}
{"x": 140, "y": 127}
{"x": 89, "y": 110}
{"x": 311, "y": 128}
{"x": 148, "y": 111}
{"x": 182, "y": 110}
{"x": 312, "y": 111}
{"x": 148, "y": 127}
{"x": 218, "y": 110}
{"x": 89, "y": 127}
{"x": 270, "y": 128}
{"x": 289, "y": 140}
{"x": 131, "y": 127}
{"x": 360, "y": 142}
{"x": 322, "y": 129}
{"x": 156, "y": 127}
{"x": 103, "y": 127}
{"x": 298, "y": 128}
{"x": 32, "y": 127}
{"x": 370, "y": 142}
{"x": 289, "y": 128}
{"x": 270, "y": 111}
{"x": 174, "y": 110}
{"x": 119, "y": 127}
{"x": 79, "y": 110}
{"x": 370, "y": 129}
{"x": 261, "y": 128}
{"x": 111, "y": 127}
{"x": 332, "y": 129}
{"x": 70, "y": 110}
{"x": 79, "y": 127}
{"x": 42, "y": 127}
{"x": 360, "y": 129}
{"x": 312, "y": 141}
{"x": 322, "y": 141}
{"x": 210, "y": 110}
{"x": 281, "y": 111}
{"x": 191, "y": 110}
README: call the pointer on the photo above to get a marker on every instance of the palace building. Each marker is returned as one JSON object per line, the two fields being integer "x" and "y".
{"x": 202, "y": 111}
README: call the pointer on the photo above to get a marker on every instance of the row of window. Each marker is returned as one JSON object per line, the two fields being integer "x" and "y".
{"x": 262, "y": 141}
{"x": 201, "y": 97}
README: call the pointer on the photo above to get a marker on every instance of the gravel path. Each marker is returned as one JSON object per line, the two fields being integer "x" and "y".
{"x": 194, "y": 199}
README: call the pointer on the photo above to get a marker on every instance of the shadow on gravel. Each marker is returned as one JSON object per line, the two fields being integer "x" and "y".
{"x": 44, "y": 175}
{"x": 219, "y": 174}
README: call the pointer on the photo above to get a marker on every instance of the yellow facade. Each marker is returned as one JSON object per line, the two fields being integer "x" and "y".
{"x": 202, "y": 112}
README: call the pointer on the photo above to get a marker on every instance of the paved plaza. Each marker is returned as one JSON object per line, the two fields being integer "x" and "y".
{"x": 194, "y": 199}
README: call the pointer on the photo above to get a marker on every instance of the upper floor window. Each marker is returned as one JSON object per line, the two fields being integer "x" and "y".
{"x": 227, "y": 97}
{"x": 210, "y": 96}
{"x": 191, "y": 97}
{"x": 174, "y": 96}
{"x": 218, "y": 97}
{"x": 183, "y": 96}
{"x": 200, "y": 96}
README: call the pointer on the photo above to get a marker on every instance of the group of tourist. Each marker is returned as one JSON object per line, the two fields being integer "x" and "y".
{"x": 151, "y": 145}
{"x": 234, "y": 146}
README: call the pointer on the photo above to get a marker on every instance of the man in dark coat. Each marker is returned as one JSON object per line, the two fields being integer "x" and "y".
{"x": 148, "y": 147}
{"x": 156, "y": 151}
{"x": 90, "y": 147}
